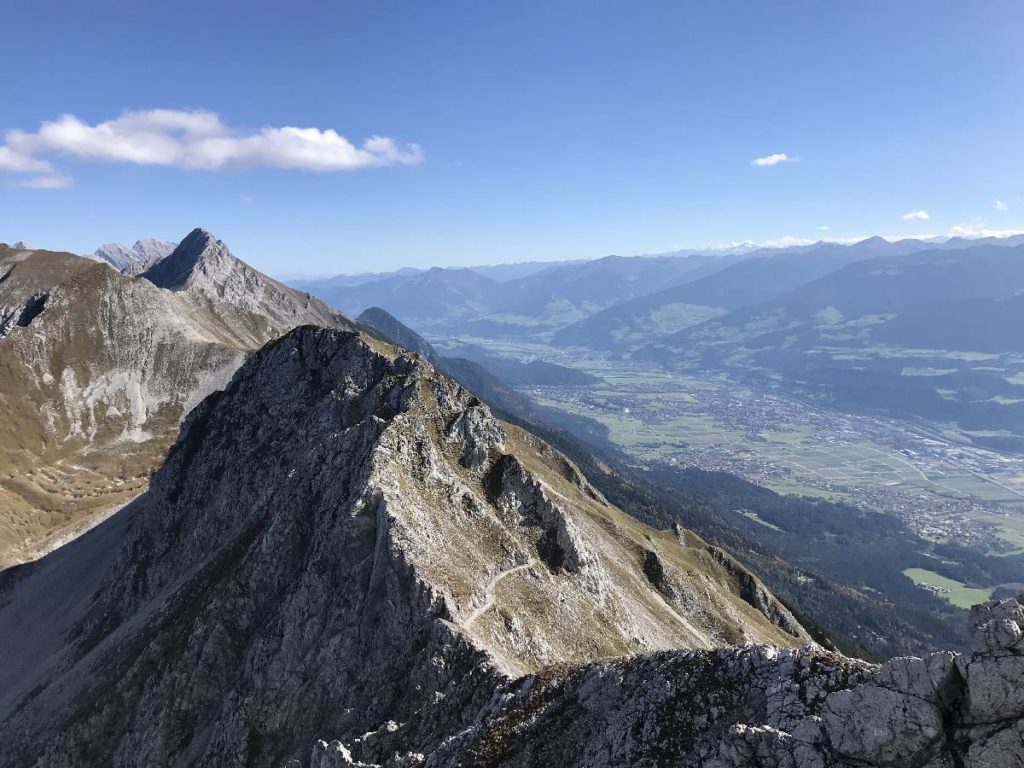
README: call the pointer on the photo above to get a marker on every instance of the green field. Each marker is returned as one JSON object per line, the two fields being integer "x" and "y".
{"x": 957, "y": 593}
{"x": 814, "y": 460}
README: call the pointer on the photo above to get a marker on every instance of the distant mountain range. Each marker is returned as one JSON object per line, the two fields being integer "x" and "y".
{"x": 474, "y": 304}
{"x": 928, "y": 334}
{"x": 613, "y": 303}
{"x": 136, "y": 259}
{"x": 760, "y": 276}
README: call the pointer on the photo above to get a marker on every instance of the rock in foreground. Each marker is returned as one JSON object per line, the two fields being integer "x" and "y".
{"x": 755, "y": 707}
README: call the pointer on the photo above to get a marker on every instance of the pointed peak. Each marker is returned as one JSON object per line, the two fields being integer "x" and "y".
{"x": 195, "y": 242}
{"x": 874, "y": 240}
{"x": 202, "y": 232}
{"x": 198, "y": 247}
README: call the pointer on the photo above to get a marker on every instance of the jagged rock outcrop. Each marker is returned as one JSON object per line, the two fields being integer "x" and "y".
{"x": 343, "y": 544}
{"x": 96, "y": 371}
{"x": 756, "y": 707}
{"x": 136, "y": 259}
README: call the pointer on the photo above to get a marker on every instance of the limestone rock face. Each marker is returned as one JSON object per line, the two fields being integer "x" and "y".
{"x": 345, "y": 546}
{"x": 203, "y": 268}
{"x": 136, "y": 259}
{"x": 758, "y": 707}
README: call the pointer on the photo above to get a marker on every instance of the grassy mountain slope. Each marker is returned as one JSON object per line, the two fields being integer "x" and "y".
{"x": 97, "y": 376}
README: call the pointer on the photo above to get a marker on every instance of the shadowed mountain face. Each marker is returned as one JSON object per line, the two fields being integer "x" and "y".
{"x": 343, "y": 542}
{"x": 97, "y": 369}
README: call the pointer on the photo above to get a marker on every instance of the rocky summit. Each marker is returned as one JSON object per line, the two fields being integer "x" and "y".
{"x": 342, "y": 544}
{"x": 203, "y": 268}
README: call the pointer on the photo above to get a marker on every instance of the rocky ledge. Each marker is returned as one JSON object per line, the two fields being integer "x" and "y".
{"x": 755, "y": 706}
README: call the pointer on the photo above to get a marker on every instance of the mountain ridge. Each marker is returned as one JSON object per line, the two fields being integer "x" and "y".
{"x": 96, "y": 370}
{"x": 135, "y": 259}
{"x": 342, "y": 511}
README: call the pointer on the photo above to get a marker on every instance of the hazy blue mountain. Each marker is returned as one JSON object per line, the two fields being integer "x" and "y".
{"x": 344, "y": 281}
{"x": 462, "y": 357}
{"x": 929, "y": 334}
{"x": 978, "y": 325}
{"x": 612, "y": 303}
{"x": 568, "y": 293}
{"x": 432, "y": 299}
{"x": 514, "y": 271}
{"x": 535, "y": 372}
{"x": 464, "y": 301}
{"x": 758, "y": 278}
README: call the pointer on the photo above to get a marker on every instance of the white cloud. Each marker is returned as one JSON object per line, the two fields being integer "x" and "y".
{"x": 18, "y": 163}
{"x": 56, "y": 181}
{"x": 823, "y": 228}
{"x": 979, "y": 229}
{"x": 1001, "y": 206}
{"x": 769, "y": 160}
{"x": 970, "y": 231}
{"x": 915, "y": 216}
{"x": 196, "y": 140}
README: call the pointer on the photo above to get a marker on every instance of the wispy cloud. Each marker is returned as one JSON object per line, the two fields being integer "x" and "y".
{"x": 1001, "y": 206}
{"x": 970, "y": 231}
{"x": 980, "y": 229}
{"x": 19, "y": 163}
{"x": 915, "y": 216}
{"x": 195, "y": 140}
{"x": 770, "y": 160}
{"x": 55, "y": 181}
{"x": 823, "y": 228}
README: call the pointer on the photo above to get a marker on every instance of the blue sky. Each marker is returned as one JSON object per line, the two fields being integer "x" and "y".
{"x": 516, "y": 130}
